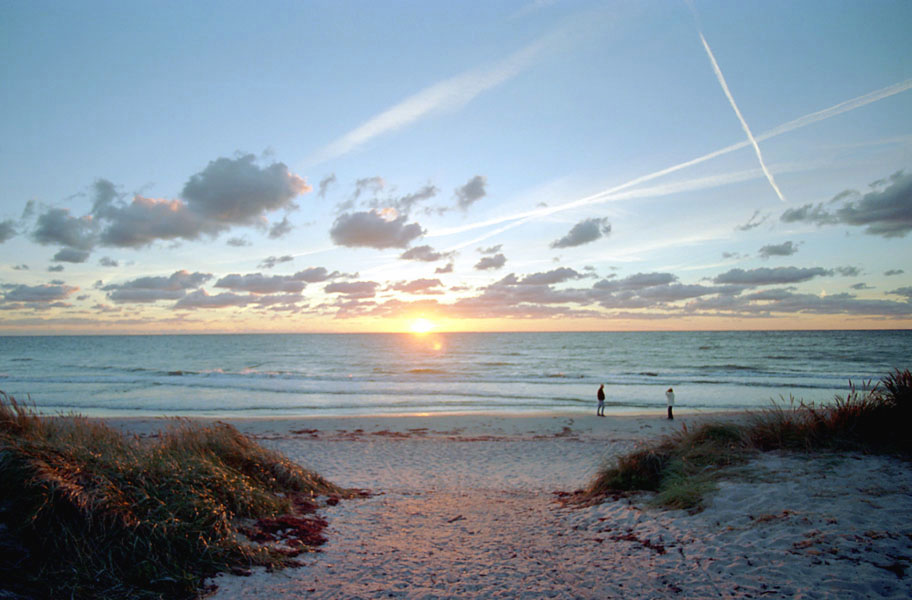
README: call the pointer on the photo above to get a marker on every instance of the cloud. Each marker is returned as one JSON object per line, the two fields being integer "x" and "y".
{"x": 7, "y": 230}
{"x": 755, "y": 221}
{"x": 325, "y": 183}
{"x": 491, "y": 250}
{"x": 40, "y": 294}
{"x": 108, "y": 262}
{"x": 237, "y": 191}
{"x": 281, "y": 228}
{"x": 783, "y": 249}
{"x": 471, "y": 192}
{"x": 22, "y": 267}
{"x": 418, "y": 286}
{"x": 56, "y": 226}
{"x": 372, "y": 229}
{"x": 353, "y": 289}
{"x": 892, "y": 272}
{"x": 227, "y": 193}
{"x": 202, "y": 299}
{"x": 766, "y": 276}
{"x": 587, "y": 230}
{"x": 884, "y": 211}
{"x": 448, "y": 268}
{"x": 424, "y": 254}
{"x": 315, "y": 275}
{"x": 488, "y": 263}
{"x": 405, "y": 203}
{"x": 272, "y": 261}
{"x": 55, "y": 268}
{"x": 903, "y": 291}
{"x": 257, "y": 283}
{"x": 861, "y": 286}
{"x": 71, "y": 255}
{"x": 447, "y": 95}
{"x": 552, "y": 277}
{"x": 238, "y": 242}
{"x": 152, "y": 289}
{"x": 744, "y": 126}
{"x": 637, "y": 281}
{"x": 848, "y": 271}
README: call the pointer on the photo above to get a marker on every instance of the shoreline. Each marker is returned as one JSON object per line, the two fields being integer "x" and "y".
{"x": 492, "y": 424}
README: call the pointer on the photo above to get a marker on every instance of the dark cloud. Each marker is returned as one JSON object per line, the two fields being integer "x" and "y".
{"x": 55, "y": 268}
{"x": 903, "y": 291}
{"x": 107, "y": 262}
{"x": 587, "y": 230}
{"x": 71, "y": 255}
{"x": 783, "y": 249}
{"x": 424, "y": 254}
{"x": 419, "y": 286}
{"x": 202, "y": 299}
{"x": 634, "y": 282}
{"x": 848, "y": 271}
{"x": 7, "y": 230}
{"x": 238, "y": 242}
{"x": 552, "y": 277}
{"x": 884, "y": 211}
{"x": 257, "y": 283}
{"x": 787, "y": 302}
{"x": 491, "y": 262}
{"x": 861, "y": 286}
{"x": 40, "y": 294}
{"x": 238, "y": 192}
{"x": 374, "y": 229}
{"x": 491, "y": 250}
{"x": 892, "y": 272}
{"x": 470, "y": 193}
{"x": 755, "y": 221}
{"x": 325, "y": 183}
{"x": 22, "y": 267}
{"x": 280, "y": 229}
{"x": 56, "y": 227}
{"x": 315, "y": 275}
{"x": 766, "y": 276}
{"x": 272, "y": 261}
{"x": 152, "y": 289}
{"x": 405, "y": 203}
{"x": 353, "y": 289}
{"x": 448, "y": 268}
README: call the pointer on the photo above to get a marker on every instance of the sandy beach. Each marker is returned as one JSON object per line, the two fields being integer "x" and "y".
{"x": 466, "y": 507}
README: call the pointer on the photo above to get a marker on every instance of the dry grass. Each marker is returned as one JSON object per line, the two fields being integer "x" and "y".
{"x": 682, "y": 467}
{"x": 96, "y": 514}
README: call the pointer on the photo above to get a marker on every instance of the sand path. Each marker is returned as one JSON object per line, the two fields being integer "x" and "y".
{"x": 473, "y": 516}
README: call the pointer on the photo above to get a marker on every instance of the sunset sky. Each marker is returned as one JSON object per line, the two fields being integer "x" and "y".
{"x": 488, "y": 166}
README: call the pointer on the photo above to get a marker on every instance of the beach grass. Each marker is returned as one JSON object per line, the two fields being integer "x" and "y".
{"x": 88, "y": 512}
{"x": 682, "y": 468}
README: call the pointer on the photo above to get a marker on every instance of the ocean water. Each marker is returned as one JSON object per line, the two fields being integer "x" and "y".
{"x": 374, "y": 374}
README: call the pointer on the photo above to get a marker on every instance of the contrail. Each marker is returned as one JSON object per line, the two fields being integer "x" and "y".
{"x": 731, "y": 100}
{"x": 611, "y": 193}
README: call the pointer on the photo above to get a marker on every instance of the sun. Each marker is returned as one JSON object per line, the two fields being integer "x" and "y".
{"x": 421, "y": 325}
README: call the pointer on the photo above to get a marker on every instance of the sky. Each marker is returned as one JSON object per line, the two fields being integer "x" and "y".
{"x": 355, "y": 166}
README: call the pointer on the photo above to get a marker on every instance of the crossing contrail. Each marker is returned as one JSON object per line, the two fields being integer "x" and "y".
{"x": 747, "y": 131}
{"x": 612, "y": 193}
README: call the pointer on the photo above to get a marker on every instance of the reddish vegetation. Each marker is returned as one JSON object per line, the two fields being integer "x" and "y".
{"x": 294, "y": 532}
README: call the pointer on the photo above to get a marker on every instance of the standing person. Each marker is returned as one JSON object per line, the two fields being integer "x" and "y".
{"x": 601, "y": 399}
{"x": 670, "y": 398}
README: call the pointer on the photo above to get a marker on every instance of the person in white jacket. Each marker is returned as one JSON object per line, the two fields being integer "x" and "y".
{"x": 670, "y": 398}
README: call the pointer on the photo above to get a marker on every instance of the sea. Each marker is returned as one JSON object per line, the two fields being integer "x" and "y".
{"x": 268, "y": 375}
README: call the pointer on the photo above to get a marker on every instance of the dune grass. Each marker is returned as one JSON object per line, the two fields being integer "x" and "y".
{"x": 94, "y": 513}
{"x": 683, "y": 467}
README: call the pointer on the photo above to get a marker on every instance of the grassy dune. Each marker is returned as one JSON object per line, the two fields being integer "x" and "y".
{"x": 683, "y": 467}
{"x": 87, "y": 512}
